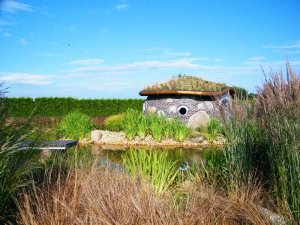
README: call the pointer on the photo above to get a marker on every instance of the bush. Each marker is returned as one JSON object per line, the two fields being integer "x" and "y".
{"x": 23, "y": 107}
{"x": 75, "y": 125}
{"x": 115, "y": 122}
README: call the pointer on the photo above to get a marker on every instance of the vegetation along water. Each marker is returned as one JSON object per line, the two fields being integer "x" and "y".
{"x": 256, "y": 170}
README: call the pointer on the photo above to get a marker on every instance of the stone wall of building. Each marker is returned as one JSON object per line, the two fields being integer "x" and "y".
{"x": 194, "y": 111}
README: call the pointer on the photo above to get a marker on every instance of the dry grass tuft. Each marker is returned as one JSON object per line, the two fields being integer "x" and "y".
{"x": 207, "y": 206}
{"x": 94, "y": 196}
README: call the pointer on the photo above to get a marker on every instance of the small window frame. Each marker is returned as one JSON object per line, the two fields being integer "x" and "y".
{"x": 182, "y": 107}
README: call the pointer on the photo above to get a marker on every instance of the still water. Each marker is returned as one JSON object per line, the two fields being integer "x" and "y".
{"x": 112, "y": 158}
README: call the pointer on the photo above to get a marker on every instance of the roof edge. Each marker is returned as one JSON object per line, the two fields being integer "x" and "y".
{"x": 231, "y": 90}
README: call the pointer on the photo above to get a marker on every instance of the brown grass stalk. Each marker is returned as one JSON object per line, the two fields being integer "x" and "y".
{"x": 98, "y": 196}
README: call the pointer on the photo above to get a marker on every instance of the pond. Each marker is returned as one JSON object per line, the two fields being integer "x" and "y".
{"x": 113, "y": 157}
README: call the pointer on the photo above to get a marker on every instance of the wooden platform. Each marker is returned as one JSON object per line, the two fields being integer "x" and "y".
{"x": 51, "y": 145}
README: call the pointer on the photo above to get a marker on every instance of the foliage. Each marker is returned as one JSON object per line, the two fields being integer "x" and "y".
{"x": 211, "y": 130}
{"x": 243, "y": 94}
{"x": 265, "y": 142}
{"x": 155, "y": 166}
{"x": 277, "y": 107}
{"x": 75, "y": 125}
{"x": 180, "y": 131}
{"x": 115, "y": 122}
{"x": 187, "y": 83}
{"x": 17, "y": 163}
{"x": 212, "y": 166}
{"x": 23, "y": 107}
{"x": 157, "y": 126}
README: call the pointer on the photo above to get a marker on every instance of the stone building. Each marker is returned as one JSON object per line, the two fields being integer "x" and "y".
{"x": 176, "y": 98}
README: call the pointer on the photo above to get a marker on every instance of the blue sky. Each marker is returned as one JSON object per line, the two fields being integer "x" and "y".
{"x": 112, "y": 49}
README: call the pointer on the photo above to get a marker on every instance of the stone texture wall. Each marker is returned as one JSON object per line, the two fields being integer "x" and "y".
{"x": 194, "y": 111}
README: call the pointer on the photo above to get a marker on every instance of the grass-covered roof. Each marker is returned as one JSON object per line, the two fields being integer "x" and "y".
{"x": 187, "y": 83}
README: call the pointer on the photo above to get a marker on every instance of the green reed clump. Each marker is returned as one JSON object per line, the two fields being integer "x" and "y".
{"x": 277, "y": 108}
{"x": 154, "y": 166}
{"x": 75, "y": 125}
{"x": 211, "y": 131}
{"x": 158, "y": 127}
{"x": 264, "y": 142}
{"x": 180, "y": 131}
{"x": 17, "y": 163}
{"x": 131, "y": 124}
{"x": 115, "y": 122}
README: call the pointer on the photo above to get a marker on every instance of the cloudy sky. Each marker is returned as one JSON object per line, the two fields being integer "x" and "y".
{"x": 113, "y": 48}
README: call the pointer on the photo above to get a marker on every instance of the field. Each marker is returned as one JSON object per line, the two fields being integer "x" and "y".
{"x": 256, "y": 172}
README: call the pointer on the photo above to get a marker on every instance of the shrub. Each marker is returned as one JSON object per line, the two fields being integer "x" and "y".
{"x": 75, "y": 125}
{"x": 23, "y": 107}
{"x": 115, "y": 122}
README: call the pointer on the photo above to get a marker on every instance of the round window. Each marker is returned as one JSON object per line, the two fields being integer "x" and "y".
{"x": 182, "y": 110}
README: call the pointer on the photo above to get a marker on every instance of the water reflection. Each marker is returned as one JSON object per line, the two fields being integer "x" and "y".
{"x": 112, "y": 158}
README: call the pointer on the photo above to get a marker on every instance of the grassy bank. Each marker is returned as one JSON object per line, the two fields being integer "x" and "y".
{"x": 259, "y": 167}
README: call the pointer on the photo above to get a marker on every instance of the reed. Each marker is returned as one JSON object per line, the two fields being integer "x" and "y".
{"x": 277, "y": 107}
{"x": 263, "y": 142}
{"x": 157, "y": 126}
{"x": 211, "y": 131}
{"x": 142, "y": 126}
{"x": 154, "y": 166}
{"x": 17, "y": 164}
{"x": 180, "y": 131}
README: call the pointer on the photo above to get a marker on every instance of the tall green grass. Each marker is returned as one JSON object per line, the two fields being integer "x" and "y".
{"x": 17, "y": 164}
{"x": 138, "y": 124}
{"x": 264, "y": 142}
{"x": 75, "y": 125}
{"x": 154, "y": 166}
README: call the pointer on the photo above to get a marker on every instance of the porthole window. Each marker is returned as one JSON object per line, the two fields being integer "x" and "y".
{"x": 182, "y": 110}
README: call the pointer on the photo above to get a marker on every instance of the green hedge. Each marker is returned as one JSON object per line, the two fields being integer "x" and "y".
{"x": 24, "y": 107}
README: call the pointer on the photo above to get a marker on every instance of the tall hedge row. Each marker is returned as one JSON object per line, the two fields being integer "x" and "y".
{"x": 24, "y": 107}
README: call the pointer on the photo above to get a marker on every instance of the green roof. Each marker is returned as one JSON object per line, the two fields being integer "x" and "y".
{"x": 187, "y": 83}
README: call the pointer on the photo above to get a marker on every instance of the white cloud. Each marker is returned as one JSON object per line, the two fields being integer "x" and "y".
{"x": 26, "y": 78}
{"x": 23, "y": 41}
{"x": 177, "y": 54}
{"x": 257, "y": 58}
{"x": 70, "y": 28}
{"x": 44, "y": 54}
{"x": 286, "y": 49}
{"x": 13, "y": 6}
{"x": 53, "y": 43}
{"x": 6, "y": 34}
{"x": 219, "y": 60}
{"x": 121, "y": 6}
{"x": 291, "y": 46}
{"x": 7, "y": 23}
{"x": 87, "y": 62}
{"x": 183, "y": 64}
